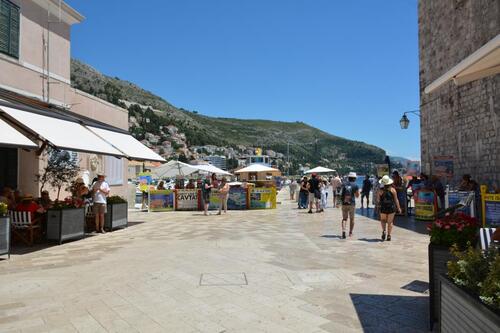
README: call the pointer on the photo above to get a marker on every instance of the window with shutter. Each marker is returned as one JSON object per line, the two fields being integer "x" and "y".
{"x": 9, "y": 28}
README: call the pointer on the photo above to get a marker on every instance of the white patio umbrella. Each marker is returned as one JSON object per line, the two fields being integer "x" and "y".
{"x": 256, "y": 168}
{"x": 172, "y": 169}
{"x": 319, "y": 169}
{"x": 211, "y": 169}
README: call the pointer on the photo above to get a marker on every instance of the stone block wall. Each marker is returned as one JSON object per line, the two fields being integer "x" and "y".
{"x": 459, "y": 121}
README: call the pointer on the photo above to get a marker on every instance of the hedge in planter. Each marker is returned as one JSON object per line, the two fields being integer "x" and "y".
{"x": 66, "y": 221}
{"x": 116, "y": 214}
{"x": 4, "y": 230}
{"x": 457, "y": 229}
{"x": 471, "y": 297}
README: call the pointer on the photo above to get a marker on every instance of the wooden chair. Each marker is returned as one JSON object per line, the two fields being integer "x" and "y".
{"x": 486, "y": 236}
{"x": 24, "y": 227}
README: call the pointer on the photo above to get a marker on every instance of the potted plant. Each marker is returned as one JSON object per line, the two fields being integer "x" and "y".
{"x": 66, "y": 220}
{"x": 4, "y": 230}
{"x": 116, "y": 213}
{"x": 457, "y": 228}
{"x": 470, "y": 295}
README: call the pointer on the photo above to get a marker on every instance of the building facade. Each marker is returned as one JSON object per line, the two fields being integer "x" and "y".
{"x": 460, "y": 88}
{"x": 35, "y": 53}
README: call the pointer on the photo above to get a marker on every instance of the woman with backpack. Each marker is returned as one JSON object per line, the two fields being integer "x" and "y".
{"x": 388, "y": 204}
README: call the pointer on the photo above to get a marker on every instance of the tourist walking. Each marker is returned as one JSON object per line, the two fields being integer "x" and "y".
{"x": 303, "y": 194}
{"x": 324, "y": 194}
{"x": 223, "y": 194}
{"x": 206, "y": 189}
{"x": 314, "y": 193}
{"x": 336, "y": 184}
{"x": 100, "y": 190}
{"x": 348, "y": 195}
{"x": 365, "y": 191}
{"x": 389, "y": 205}
{"x": 293, "y": 188}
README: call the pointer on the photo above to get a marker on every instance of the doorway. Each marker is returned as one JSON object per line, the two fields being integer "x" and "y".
{"x": 8, "y": 167}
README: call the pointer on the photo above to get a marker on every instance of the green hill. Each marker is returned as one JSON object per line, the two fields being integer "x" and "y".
{"x": 305, "y": 143}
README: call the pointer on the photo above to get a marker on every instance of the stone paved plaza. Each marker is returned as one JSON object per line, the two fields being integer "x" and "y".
{"x": 249, "y": 271}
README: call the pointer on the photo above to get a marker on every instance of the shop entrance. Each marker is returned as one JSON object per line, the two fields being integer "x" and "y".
{"x": 8, "y": 167}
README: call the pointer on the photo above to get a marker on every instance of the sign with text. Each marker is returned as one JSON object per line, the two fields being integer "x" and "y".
{"x": 454, "y": 197}
{"x": 237, "y": 198}
{"x": 187, "y": 199}
{"x": 425, "y": 205}
{"x": 145, "y": 179}
{"x": 161, "y": 200}
{"x": 443, "y": 166}
{"x": 263, "y": 198}
{"x": 491, "y": 209}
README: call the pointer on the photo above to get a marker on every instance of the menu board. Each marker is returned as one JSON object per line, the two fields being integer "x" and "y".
{"x": 187, "y": 199}
{"x": 454, "y": 197}
{"x": 263, "y": 198}
{"x": 425, "y": 205}
{"x": 491, "y": 209}
{"x": 161, "y": 200}
{"x": 237, "y": 198}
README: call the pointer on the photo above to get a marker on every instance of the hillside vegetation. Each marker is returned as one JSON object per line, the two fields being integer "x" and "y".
{"x": 306, "y": 144}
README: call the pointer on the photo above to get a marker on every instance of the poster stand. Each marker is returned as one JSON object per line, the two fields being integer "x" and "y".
{"x": 452, "y": 198}
{"x": 425, "y": 205}
{"x": 490, "y": 206}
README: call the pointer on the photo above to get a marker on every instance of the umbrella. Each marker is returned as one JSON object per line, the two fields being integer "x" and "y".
{"x": 172, "y": 169}
{"x": 256, "y": 168}
{"x": 211, "y": 169}
{"x": 319, "y": 169}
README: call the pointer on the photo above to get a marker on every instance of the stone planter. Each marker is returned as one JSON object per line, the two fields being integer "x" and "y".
{"x": 463, "y": 312}
{"x": 65, "y": 224}
{"x": 438, "y": 258}
{"x": 116, "y": 216}
{"x": 4, "y": 236}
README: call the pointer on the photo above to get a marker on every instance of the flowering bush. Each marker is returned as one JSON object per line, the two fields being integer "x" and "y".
{"x": 69, "y": 202}
{"x": 477, "y": 272}
{"x": 457, "y": 228}
{"x": 3, "y": 209}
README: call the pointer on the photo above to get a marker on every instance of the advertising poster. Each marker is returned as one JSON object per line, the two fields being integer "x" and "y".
{"x": 491, "y": 209}
{"x": 454, "y": 197}
{"x": 145, "y": 179}
{"x": 382, "y": 170}
{"x": 413, "y": 168}
{"x": 425, "y": 205}
{"x": 237, "y": 198}
{"x": 443, "y": 166}
{"x": 161, "y": 200}
{"x": 214, "y": 200}
{"x": 187, "y": 199}
{"x": 263, "y": 198}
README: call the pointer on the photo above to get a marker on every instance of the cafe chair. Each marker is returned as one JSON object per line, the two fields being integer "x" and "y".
{"x": 24, "y": 227}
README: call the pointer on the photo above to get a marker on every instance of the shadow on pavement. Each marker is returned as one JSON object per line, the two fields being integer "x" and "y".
{"x": 370, "y": 240}
{"x": 406, "y": 222}
{"x": 388, "y": 313}
{"x": 332, "y": 236}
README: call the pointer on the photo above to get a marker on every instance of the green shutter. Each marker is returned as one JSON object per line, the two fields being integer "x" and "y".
{"x": 14, "y": 32}
{"x": 4, "y": 26}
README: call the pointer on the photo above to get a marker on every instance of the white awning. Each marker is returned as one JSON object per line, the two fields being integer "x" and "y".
{"x": 63, "y": 134}
{"x": 128, "y": 145}
{"x": 173, "y": 169}
{"x": 211, "y": 169}
{"x": 11, "y": 137}
{"x": 256, "y": 168}
{"x": 319, "y": 169}
{"x": 482, "y": 63}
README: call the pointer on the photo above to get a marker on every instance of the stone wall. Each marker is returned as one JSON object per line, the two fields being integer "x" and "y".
{"x": 460, "y": 121}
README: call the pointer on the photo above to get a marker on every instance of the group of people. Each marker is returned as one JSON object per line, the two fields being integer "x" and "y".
{"x": 208, "y": 184}
{"x": 313, "y": 192}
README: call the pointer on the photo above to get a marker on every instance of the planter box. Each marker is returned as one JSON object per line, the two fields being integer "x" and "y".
{"x": 65, "y": 224}
{"x": 4, "y": 236}
{"x": 116, "y": 216}
{"x": 438, "y": 259}
{"x": 463, "y": 312}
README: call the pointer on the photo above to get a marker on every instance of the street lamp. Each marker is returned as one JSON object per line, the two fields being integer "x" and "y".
{"x": 405, "y": 122}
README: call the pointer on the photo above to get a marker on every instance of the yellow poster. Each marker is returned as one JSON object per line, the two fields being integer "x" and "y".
{"x": 263, "y": 198}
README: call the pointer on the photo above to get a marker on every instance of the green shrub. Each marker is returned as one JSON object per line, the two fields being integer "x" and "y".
{"x": 115, "y": 199}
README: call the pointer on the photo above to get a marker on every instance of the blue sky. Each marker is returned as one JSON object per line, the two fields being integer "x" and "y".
{"x": 347, "y": 67}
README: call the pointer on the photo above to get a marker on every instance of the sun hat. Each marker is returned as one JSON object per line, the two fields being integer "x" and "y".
{"x": 386, "y": 180}
{"x": 79, "y": 180}
{"x": 352, "y": 175}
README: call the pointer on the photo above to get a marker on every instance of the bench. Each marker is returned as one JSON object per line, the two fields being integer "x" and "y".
{"x": 24, "y": 227}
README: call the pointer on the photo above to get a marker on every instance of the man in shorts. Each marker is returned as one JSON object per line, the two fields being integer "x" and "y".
{"x": 314, "y": 193}
{"x": 336, "y": 184}
{"x": 348, "y": 195}
{"x": 101, "y": 190}
{"x": 206, "y": 189}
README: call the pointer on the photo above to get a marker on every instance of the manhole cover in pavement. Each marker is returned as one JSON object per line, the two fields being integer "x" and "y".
{"x": 417, "y": 286}
{"x": 223, "y": 279}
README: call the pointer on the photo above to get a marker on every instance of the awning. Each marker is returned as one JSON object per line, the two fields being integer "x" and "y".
{"x": 173, "y": 169}
{"x": 319, "y": 169}
{"x": 11, "y": 137}
{"x": 256, "y": 168}
{"x": 211, "y": 169}
{"x": 482, "y": 63}
{"x": 63, "y": 134}
{"x": 127, "y": 144}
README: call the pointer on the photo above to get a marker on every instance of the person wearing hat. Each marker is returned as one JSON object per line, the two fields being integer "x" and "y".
{"x": 348, "y": 195}
{"x": 79, "y": 190}
{"x": 100, "y": 190}
{"x": 388, "y": 205}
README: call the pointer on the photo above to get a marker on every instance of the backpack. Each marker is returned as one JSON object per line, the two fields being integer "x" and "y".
{"x": 347, "y": 195}
{"x": 387, "y": 202}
